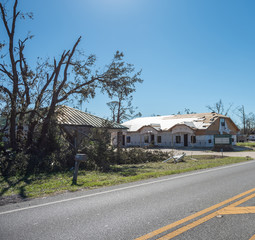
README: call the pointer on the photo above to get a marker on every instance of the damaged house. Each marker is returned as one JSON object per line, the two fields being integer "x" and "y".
{"x": 188, "y": 130}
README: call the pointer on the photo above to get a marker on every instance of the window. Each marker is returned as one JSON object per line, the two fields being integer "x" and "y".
{"x": 193, "y": 139}
{"x": 178, "y": 139}
{"x": 128, "y": 139}
{"x": 159, "y": 139}
{"x": 222, "y": 122}
{"x": 146, "y": 139}
{"x": 210, "y": 141}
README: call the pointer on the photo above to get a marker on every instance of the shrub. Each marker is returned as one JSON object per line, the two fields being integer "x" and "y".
{"x": 136, "y": 155}
{"x": 56, "y": 155}
{"x": 98, "y": 149}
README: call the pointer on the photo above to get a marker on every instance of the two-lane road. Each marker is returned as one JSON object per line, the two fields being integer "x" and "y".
{"x": 210, "y": 204}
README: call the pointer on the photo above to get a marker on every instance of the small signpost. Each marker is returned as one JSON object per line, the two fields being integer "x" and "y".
{"x": 223, "y": 142}
{"x": 78, "y": 159}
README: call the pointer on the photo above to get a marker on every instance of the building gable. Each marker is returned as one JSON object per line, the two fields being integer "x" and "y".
{"x": 217, "y": 128}
{"x": 147, "y": 130}
{"x": 181, "y": 128}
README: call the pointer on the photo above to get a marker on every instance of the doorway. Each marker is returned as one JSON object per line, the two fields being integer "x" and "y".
{"x": 123, "y": 140}
{"x": 185, "y": 140}
{"x": 152, "y": 138}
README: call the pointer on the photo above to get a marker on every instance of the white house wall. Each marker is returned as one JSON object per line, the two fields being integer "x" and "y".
{"x": 205, "y": 141}
{"x": 114, "y": 138}
{"x": 136, "y": 139}
{"x": 234, "y": 139}
{"x": 168, "y": 138}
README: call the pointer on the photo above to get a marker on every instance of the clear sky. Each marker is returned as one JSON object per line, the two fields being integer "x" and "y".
{"x": 192, "y": 52}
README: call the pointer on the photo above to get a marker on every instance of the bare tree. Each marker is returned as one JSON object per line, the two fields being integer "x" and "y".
{"x": 12, "y": 75}
{"x": 250, "y": 123}
{"x": 32, "y": 95}
{"x": 247, "y": 120}
{"x": 122, "y": 110}
{"x": 219, "y": 107}
{"x": 243, "y": 117}
{"x": 186, "y": 111}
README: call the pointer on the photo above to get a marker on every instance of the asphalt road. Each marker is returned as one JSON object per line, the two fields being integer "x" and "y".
{"x": 133, "y": 210}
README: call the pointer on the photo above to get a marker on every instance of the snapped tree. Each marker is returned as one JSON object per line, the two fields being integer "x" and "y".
{"x": 29, "y": 96}
{"x": 247, "y": 120}
{"x": 219, "y": 107}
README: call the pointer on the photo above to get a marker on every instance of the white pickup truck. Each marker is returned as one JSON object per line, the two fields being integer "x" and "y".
{"x": 252, "y": 137}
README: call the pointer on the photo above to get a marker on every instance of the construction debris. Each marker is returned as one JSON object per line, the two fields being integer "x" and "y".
{"x": 176, "y": 158}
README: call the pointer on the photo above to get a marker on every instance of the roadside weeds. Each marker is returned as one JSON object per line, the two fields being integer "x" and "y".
{"x": 14, "y": 189}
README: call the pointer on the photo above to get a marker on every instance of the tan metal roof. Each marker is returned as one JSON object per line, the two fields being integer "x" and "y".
{"x": 71, "y": 116}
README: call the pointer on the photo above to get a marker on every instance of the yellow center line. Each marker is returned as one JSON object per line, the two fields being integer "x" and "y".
{"x": 253, "y": 237}
{"x": 202, "y": 220}
{"x": 172, "y": 225}
{"x": 232, "y": 209}
{"x": 188, "y": 227}
{"x": 242, "y": 200}
{"x": 237, "y": 210}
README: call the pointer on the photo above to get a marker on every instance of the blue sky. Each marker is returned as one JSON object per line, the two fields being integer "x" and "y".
{"x": 192, "y": 52}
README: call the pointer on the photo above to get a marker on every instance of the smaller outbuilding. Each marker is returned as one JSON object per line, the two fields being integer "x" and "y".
{"x": 188, "y": 130}
{"x": 77, "y": 124}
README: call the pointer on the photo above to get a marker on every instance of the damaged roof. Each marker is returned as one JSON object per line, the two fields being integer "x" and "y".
{"x": 71, "y": 116}
{"x": 199, "y": 121}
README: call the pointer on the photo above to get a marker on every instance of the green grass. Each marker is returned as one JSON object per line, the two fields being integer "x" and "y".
{"x": 49, "y": 184}
{"x": 246, "y": 144}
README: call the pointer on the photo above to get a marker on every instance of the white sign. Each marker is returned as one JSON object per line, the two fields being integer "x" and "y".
{"x": 223, "y": 140}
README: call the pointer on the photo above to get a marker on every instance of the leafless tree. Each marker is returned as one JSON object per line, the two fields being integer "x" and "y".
{"x": 219, "y": 107}
{"x": 122, "y": 110}
{"x": 31, "y": 96}
{"x": 247, "y": 120}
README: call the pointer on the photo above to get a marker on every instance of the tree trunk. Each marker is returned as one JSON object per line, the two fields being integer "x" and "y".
{"x": 30, "y": 134}
{"x": 46, "y": 125}
{"x": 13, "y": 127}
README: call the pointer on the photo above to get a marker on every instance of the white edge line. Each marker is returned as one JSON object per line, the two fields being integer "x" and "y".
{"x": 124, "y": 188}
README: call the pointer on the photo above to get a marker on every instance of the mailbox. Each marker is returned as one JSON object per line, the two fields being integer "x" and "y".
{"x": 78, "y": 159}
{"x": 81, "y": 157}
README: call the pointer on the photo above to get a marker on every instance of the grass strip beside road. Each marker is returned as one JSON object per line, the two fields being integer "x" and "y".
{"x": 48, "y": 184}
{"x": 246, "y": 144}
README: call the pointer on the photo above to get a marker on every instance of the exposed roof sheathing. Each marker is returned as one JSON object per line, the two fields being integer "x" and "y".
{"x": 198, "y": 121}
{"x": 71, "y": 116}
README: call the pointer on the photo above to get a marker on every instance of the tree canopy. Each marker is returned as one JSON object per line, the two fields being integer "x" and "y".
{"x": 30, "y": 95}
